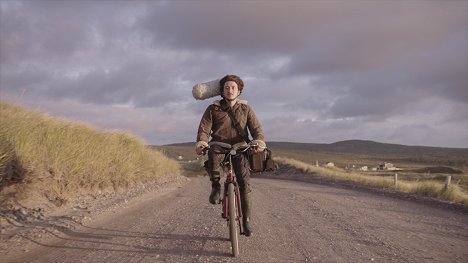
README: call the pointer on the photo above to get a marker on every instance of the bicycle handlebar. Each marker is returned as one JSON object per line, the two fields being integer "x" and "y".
{"x": 238, "y": 147}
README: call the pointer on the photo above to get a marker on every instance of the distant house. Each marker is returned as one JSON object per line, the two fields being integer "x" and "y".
{"x": 386, "y": 166}
{"x": 330, "y": 164}
{"x": 180, "y": 157}
{"x": 364, "y": 168}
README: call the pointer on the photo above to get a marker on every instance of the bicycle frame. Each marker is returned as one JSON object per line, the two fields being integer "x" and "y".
{"x": 231, "y": 197}
{"x": 231, "y": 179}
{"x": 229, "y": 151}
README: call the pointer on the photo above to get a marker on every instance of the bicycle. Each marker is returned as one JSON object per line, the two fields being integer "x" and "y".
{"x": 231, "y": 203}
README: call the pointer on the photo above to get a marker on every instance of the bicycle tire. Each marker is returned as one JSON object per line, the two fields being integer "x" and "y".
{"x": 233, "y": 231}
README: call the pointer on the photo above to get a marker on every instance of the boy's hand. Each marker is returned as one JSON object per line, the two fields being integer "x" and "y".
{"x": 200, "y": 147}
{"x": 261, "y": 145}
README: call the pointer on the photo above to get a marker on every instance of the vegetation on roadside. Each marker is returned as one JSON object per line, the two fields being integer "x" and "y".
{"x": 430, "y": 188}
{"x": 58, "y": 158}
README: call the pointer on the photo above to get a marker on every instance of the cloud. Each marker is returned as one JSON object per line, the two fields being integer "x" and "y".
{"x": 316, "y": 71}
{"x": 227, "y": 26}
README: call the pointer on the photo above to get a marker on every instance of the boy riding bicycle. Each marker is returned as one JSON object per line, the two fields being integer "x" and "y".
{"x": 220, "y": 125}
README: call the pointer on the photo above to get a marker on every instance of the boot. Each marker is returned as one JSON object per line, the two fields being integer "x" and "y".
{"x": 246, "y": 201}
{"x": 215, "y": 191}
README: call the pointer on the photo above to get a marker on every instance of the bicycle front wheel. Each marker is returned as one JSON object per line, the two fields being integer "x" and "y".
{"x": 233, "y": 231}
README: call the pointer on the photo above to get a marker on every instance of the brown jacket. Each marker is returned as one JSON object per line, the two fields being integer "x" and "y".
{"x": 217, "y": 123}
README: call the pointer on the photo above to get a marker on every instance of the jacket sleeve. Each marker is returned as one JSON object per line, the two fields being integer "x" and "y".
{"x": 254, "y": 125}
{"x": 204, "y": 129}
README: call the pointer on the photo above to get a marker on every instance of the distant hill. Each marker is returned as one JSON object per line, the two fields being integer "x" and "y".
{"x": 362, "y": 151}
{"x": 363, "y": 147}
{"x": 371, "y": 147}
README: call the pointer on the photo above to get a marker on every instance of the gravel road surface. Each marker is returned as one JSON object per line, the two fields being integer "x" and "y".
{"x": 293, "y": 222}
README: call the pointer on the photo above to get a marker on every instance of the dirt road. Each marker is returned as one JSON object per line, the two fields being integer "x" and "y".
{"x": 293, "y": 222}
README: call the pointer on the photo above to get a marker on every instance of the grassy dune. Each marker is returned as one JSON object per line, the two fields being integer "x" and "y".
{"x": 57, "y": 159}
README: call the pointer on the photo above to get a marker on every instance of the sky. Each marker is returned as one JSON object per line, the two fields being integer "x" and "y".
{"x": 314, "y": 71}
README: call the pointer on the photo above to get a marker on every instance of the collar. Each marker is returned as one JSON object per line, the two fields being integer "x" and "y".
{"x": 238, "y": 101}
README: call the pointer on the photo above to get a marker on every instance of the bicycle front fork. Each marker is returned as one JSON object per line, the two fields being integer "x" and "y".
{"x": 225, "y": 212}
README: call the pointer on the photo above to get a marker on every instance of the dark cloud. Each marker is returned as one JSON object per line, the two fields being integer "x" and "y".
{"x": 228, "y": 26}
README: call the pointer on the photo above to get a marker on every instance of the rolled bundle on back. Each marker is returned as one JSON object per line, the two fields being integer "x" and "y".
{"x": 206, "y": 90}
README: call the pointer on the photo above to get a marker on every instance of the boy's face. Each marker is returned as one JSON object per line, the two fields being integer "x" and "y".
{"x": 231, "y": 90}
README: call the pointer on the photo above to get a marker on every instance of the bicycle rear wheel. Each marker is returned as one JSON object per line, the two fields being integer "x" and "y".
{"x": 233, "y": 231}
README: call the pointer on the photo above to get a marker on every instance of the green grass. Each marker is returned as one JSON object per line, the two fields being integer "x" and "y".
{"x": 59, "y": 158}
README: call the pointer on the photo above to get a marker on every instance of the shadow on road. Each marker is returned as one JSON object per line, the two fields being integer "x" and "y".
{"x": 117, "y": 240}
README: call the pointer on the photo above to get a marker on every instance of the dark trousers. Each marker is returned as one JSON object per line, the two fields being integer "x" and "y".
{"x": 240, "y": 164}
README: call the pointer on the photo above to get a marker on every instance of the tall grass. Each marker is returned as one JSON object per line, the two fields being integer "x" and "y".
{"x": 64, "y": 157}
{"x": 427, "y": 188}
